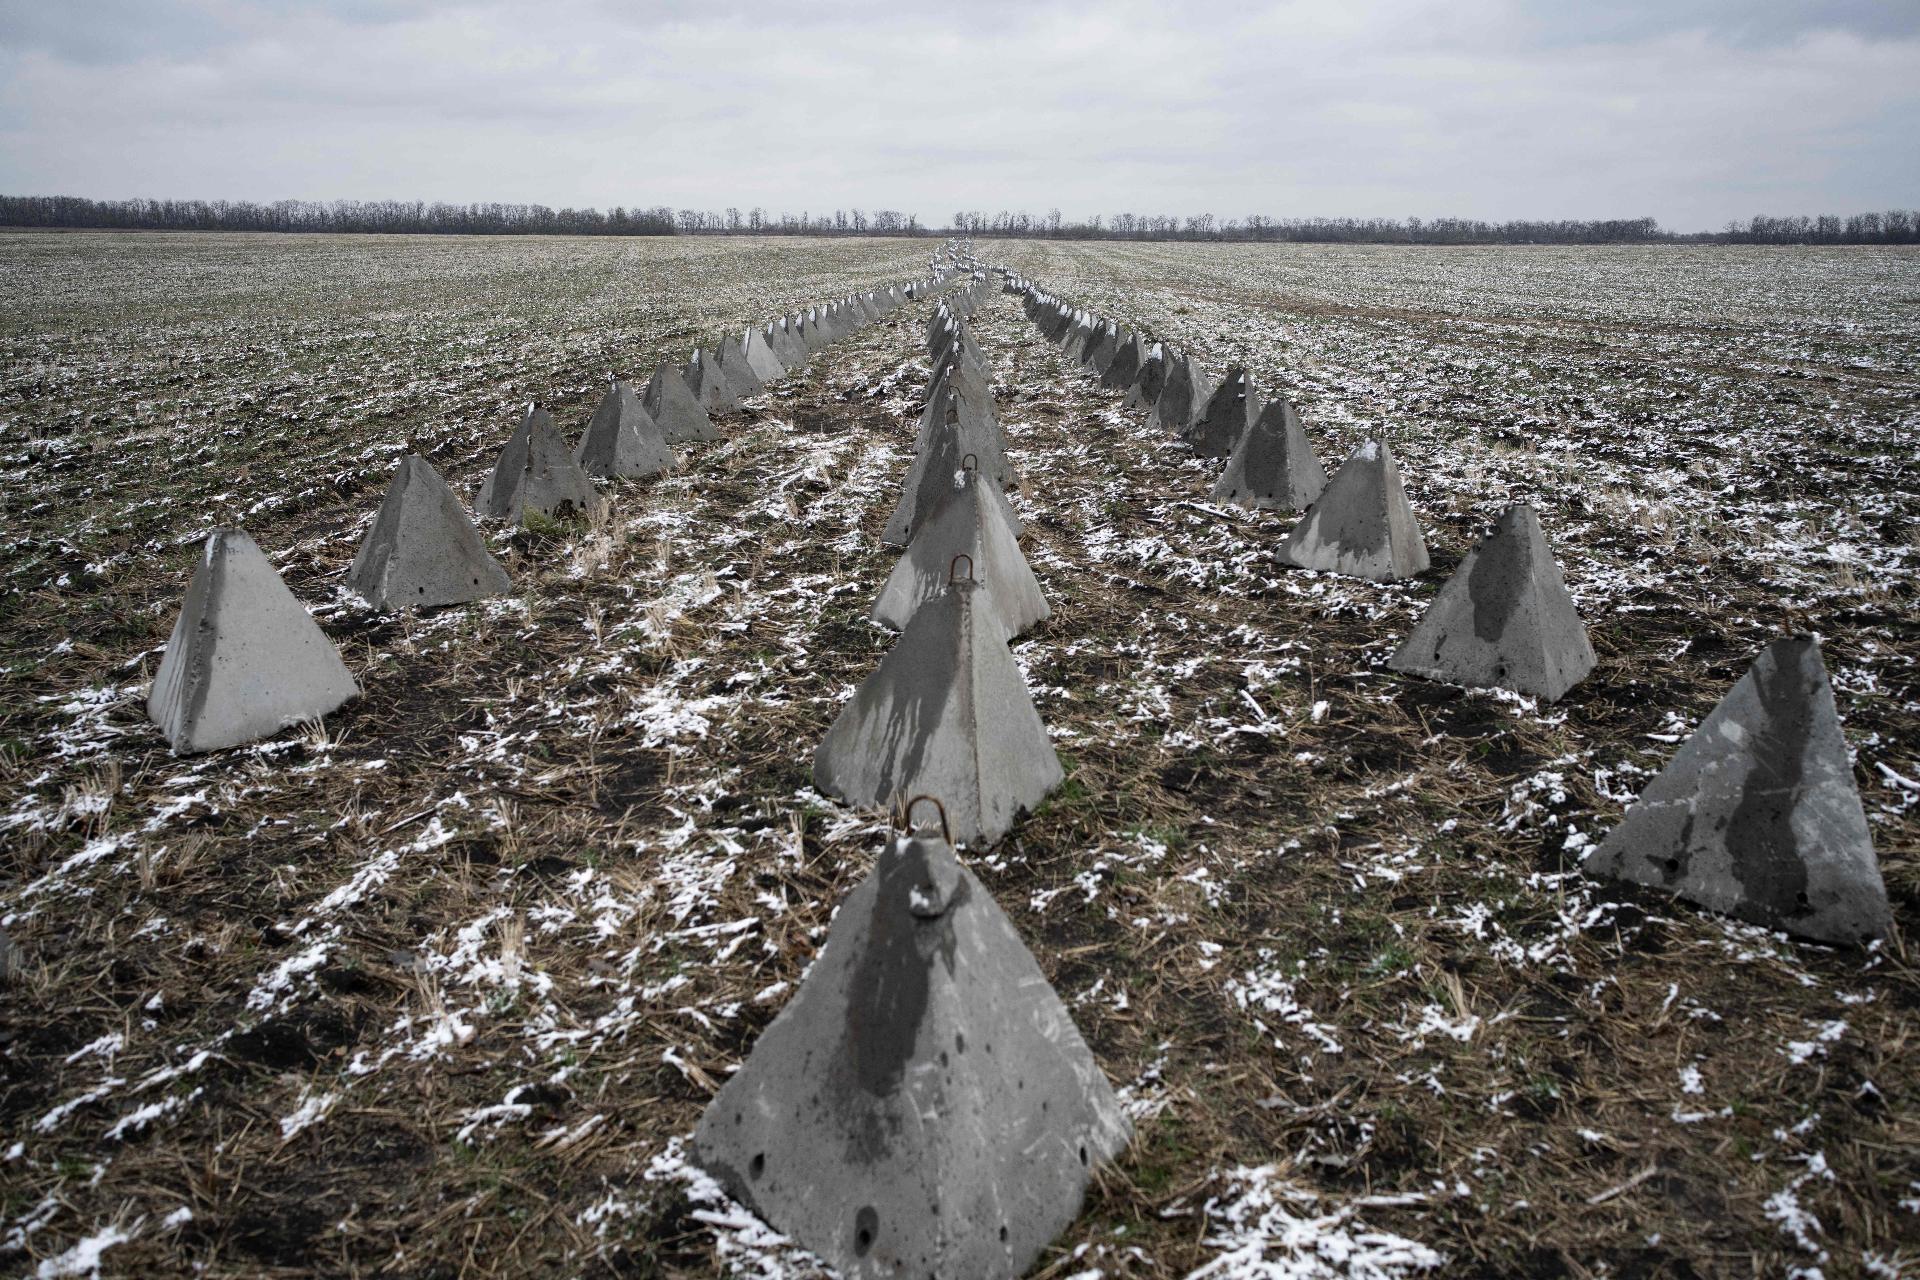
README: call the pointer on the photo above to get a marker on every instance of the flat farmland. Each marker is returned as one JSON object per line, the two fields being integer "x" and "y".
{"x": 440, "y": 986}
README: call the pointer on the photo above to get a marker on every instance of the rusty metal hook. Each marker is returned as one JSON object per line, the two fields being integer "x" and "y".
{"x": 953, "y": 569}
{"x": 906, "y": 816}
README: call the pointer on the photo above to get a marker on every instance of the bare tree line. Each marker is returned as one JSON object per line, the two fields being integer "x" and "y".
{"x": 1894, "y": 226}
{"x": 418, "y": 217}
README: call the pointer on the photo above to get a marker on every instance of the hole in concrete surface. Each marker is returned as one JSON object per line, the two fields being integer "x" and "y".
{"x": 757, "y": 1166}
{"x": 866, "y": 1224}
{"x": 1003, "y": 1235}
{"x": 1673, "y": 866}
{"x": 1083, "y": 1153}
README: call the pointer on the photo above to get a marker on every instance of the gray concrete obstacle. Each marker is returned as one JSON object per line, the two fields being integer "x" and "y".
{"x": 709, "y": 385}
{"x": 943, "y": 452}
{"x": 945, "y": 713}
{"x": 974, "y": 426}
{"x": 245, "y": 659}
{"x": 731, "y": 358}
{"x": 1225, "y": 417}
{"x": 1124, "y": 366}
{"x": 422, "y": 549}
{"x": 1361, "y": 525}
{"x": 970, "y": 521}
{"x": 1184, "y": 393}
{"x": 1504, "y": 619}
{"x": 788, "y": 343}
{"x": 1757, "y": 815}
{"x": 927, "y": 483}
{"x": 1074, "y": 345}
{"x": 1152, "y": 376}
{"x": 535, "y": 473}
{"x": 761, "y": 357}
{"x": 1274, "y": 467}
{"x": 670, "y": 402}
{"x": 1100, "y": 349}
{"x": 813, "y": 330}
{"x": 923, "y": 1106}
{"x": 622, "y": 442}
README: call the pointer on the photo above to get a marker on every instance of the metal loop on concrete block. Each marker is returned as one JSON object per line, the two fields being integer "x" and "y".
{"x": 906, "y": 816}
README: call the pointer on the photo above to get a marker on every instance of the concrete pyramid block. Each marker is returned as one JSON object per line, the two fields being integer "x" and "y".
{"x": 1100, "y": 349}
{"x": 1504, "y": 619}
{"x": 535, "y": 472}
{"x": 788, "y": 343}
{"x": 1152, "y": 376}
{"x": 923, "y": 1106}
{"x": 960, "y": 368}
{"x": 813, "y": 329}
{"x": 1074, "y": 345}
{"x": 970, "y": 521}
{"x": 761, "y": 357}
{"x": 1182, "y": 396}
{"x": 1226, "y": 416}
{"x": 1362, "y": 524}
{"x": 422, "y": 549}
{"x": 245, "y": 659}
{"x": 927, "y": 483}
{"x": 1757, "y": 814}
{"x": 1124, "y": 366}
{"x": 622, "y": 441}
{"x": 943, "y": 453}
{"x": 1274, "y": 467}
{"x": 945, "y": 713}
{"x": 730, "y": 357}
{"x": 670, "y": 402}
{"x": 975, "y": 428}
{"x": 708, "y": 384}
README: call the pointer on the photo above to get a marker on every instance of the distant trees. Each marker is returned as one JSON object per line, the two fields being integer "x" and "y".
{"x": 1893, "y": 226}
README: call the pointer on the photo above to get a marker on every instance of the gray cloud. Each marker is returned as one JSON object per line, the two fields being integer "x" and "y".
{"x": 1694, "y": 111}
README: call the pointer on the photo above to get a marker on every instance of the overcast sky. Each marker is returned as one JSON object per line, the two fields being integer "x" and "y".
{"x": 1691, "y": 111}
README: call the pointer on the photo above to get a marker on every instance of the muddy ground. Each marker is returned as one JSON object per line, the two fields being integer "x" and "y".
{"x": 438, "y": 988}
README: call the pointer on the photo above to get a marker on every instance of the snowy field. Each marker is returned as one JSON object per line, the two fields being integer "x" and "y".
{"x": 439, "y": 987}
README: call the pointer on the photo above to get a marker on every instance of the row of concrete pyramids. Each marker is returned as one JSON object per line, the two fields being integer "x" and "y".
{"x": 947, "y": 712}
{"x": 632, "y": 436}
{"x": 1757, "y": 815}
{"x": 245, "y": 658}
{"x": 924, "y": 1101}
{"x": 924, "y": 1105}
{"x": 1505, "y": 618}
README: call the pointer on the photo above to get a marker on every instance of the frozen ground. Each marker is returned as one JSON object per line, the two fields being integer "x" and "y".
{"x": 439, "y": 988}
